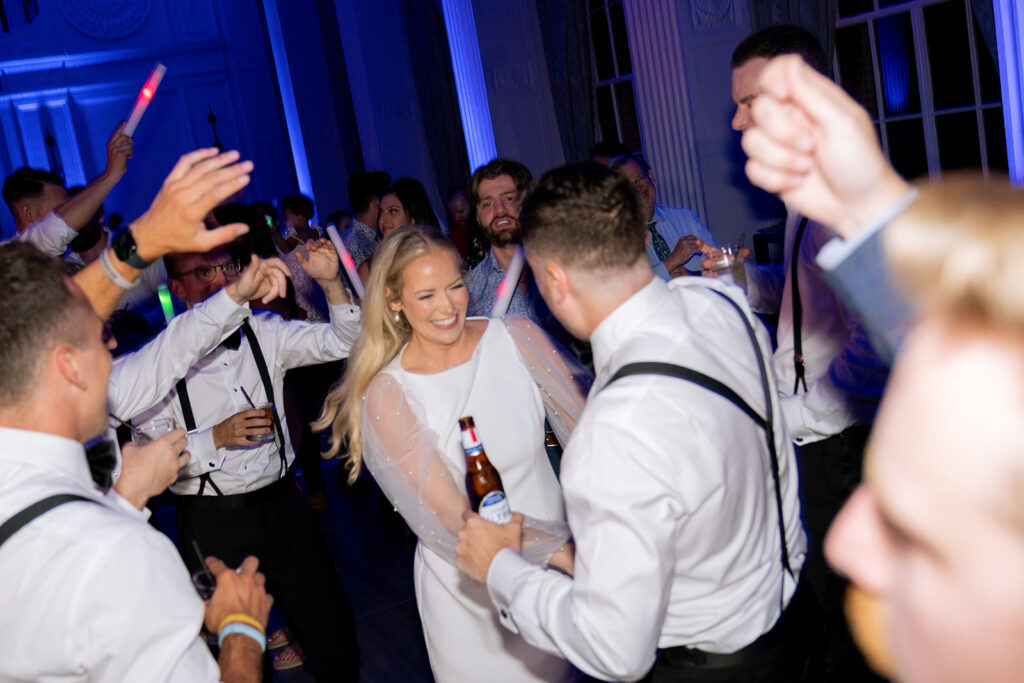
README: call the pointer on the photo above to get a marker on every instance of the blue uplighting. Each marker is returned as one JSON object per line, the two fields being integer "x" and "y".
{"x": 895, "y": 68}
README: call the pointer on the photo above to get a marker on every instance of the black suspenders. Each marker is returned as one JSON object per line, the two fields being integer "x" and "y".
{"x": 767, "y": 423}
{"x": 268, "y": 387}
{"x": 37, "y": 509}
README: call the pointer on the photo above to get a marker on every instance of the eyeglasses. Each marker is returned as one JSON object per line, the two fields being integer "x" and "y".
{"x": 206, "y": 274}
{"x": 642, "y": 181}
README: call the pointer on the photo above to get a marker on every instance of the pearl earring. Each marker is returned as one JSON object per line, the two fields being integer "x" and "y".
{"x": 398, "y": 317}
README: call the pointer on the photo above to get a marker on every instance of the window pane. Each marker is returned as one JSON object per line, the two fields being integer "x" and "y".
{"x": 898, "y": 65}
{"x": 995, "y": 138}
{"x": 606, "y": 113}
{"x": 856, "y": 74}
{"x": 848, "y": 8}
{"x": 988, "y": 72}
{"x": 949, "y": 55}
{"x": 627, "y": 114}
{"x": 906, "y": 147}
{"x": 621, "y": 40}
{"x": 602, "y": 45}
{"x": 958, "y": 140}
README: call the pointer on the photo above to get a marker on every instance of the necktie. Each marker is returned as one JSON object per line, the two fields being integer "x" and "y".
{"x": 798, "y": 311}
{"x": 660, "y": 245}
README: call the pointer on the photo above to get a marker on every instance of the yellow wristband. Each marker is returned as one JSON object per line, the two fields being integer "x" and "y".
{"x": 243, "y": 619}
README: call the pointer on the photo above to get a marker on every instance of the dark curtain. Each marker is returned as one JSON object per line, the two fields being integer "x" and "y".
{"x": 563, "y": 27}
{"x": 983, "y": 14}
{"x": 341, "y": 93}
{"x": 817, "y": 16}
{"x": 435, "y": 92}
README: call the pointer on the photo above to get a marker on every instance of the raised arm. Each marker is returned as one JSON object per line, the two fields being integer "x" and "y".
{"x": 173, "y": 223}
{"x": 77, "y": 210}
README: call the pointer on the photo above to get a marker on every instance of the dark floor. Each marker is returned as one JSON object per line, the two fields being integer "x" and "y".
{"x": 376, "y": 568}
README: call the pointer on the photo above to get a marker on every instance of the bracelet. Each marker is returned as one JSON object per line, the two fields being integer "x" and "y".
{"x": 241, "y": 618}
{"x": 114, "y": 276}
{"x": 244, "y": 630}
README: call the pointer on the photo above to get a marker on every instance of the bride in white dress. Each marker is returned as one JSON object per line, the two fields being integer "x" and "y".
{"x": 418, "y": 366}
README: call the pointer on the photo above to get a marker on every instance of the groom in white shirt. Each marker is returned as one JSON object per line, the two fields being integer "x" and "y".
{"x": 681, "y": 497}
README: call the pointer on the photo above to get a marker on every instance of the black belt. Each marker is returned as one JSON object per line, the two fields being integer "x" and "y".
{"x": 799, "y": 609}
{"x": 238, "y": 501}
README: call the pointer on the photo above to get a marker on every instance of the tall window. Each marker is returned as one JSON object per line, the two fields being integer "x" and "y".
{"x": 924, "y": 72}
{"x": 616, "y": 106}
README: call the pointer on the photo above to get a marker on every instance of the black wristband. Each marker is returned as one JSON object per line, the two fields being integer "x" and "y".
{"x": 127, "y": 251}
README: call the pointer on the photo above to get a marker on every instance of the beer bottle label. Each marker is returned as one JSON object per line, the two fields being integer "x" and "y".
{"x": 470, "y": 443}
{"x": 494, "y": 508}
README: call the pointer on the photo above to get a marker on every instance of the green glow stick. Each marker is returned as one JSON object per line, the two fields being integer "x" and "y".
{"x": 165, "y": 302}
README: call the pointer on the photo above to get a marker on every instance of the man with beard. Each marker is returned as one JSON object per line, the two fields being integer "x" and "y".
{"x": 496, "y": 189}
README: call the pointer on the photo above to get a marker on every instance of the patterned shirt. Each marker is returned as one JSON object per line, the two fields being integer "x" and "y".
{"x": 361, "y": 240}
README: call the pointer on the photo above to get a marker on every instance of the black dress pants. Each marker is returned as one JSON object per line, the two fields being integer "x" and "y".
{"x": 830, "y": 470}
{"x": 789, "y": 652}
{"x": 277, "y": 525}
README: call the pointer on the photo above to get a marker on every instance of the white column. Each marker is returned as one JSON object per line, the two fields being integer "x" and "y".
{"x": 469, "y": 81}
{"x": 32, "y": 134}
{"x": 291, "y": 110}
{"x": 1009, "y": 19}
{"x": 663, "y": 101}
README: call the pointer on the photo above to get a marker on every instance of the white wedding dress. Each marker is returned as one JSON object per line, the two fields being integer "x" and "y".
{"x": 411, "y": 443}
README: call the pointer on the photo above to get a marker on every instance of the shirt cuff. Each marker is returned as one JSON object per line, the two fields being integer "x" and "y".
{"x": 506, "y": 566}
{"x": 205, "y": 456}
{"x": 121, "y": 502}
{"x": 837, "y": 249}
{"x": 221, "y": 306}
{"x": 792, "y": 415}
{"x": 344, "y": 311}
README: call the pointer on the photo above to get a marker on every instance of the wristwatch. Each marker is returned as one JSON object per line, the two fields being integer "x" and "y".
{"x": 127, "y": 251}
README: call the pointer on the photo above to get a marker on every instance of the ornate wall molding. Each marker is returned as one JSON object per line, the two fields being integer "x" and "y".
{"x": 709, "y": 15}
{"x": 105, "y": 19}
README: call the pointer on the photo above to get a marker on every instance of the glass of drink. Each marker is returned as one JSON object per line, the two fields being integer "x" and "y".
{"x": 268, "y": 413}
{"x": 729, "y": 263}
{"x": 205, "y": 583}
{"x": 153, "y": 430}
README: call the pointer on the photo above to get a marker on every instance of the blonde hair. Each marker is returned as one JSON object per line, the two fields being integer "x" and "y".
{"x": 959, "y": 251}
{"x": 383, "y": 335}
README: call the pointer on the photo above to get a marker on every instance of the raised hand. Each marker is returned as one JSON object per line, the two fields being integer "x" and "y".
{"x": 119, "y": 150}
{"x": 815, "y": 147}
{"x": 263, "y": 279}
{"x": 197, "y": 183}
{"x": 322, "y": 262}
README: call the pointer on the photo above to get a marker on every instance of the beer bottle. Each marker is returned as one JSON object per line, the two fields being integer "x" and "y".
{"x": 483, "y": 483}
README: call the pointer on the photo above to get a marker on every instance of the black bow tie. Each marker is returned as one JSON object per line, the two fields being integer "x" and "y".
{"x": 102, "y": 459}
{"x": 232, "y": 341}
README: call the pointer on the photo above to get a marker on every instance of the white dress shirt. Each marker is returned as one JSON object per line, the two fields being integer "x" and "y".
{"x": 844, "y": 375}
{"x": 215, "y": 386}
{"x": 50, "y": 234}
{"x": 669, "y": 496}
{"x": 91, "y": 592}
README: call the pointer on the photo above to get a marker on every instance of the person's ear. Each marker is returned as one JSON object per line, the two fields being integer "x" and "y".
{"x": 177, "y": 289}
{"x": 650, "y": 177}
{"x": 558, "y": 276}
{"x": 26, "y": 213}
{"x": 70, "y": 365}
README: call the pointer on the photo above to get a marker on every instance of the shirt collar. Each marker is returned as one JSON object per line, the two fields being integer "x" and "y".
{"x": 39, "y": 450}
{"x": 619, "y": 325}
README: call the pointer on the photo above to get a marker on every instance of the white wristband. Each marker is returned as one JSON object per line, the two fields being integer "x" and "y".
{"x": 111, "y": 272}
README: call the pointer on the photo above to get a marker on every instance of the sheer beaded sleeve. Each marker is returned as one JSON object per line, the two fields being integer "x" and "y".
{"x": 402, "y": 453}
{"x": 563, "y": 381}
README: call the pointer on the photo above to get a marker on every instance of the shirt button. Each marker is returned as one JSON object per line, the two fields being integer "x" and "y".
{"x": 504, "y": 614}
